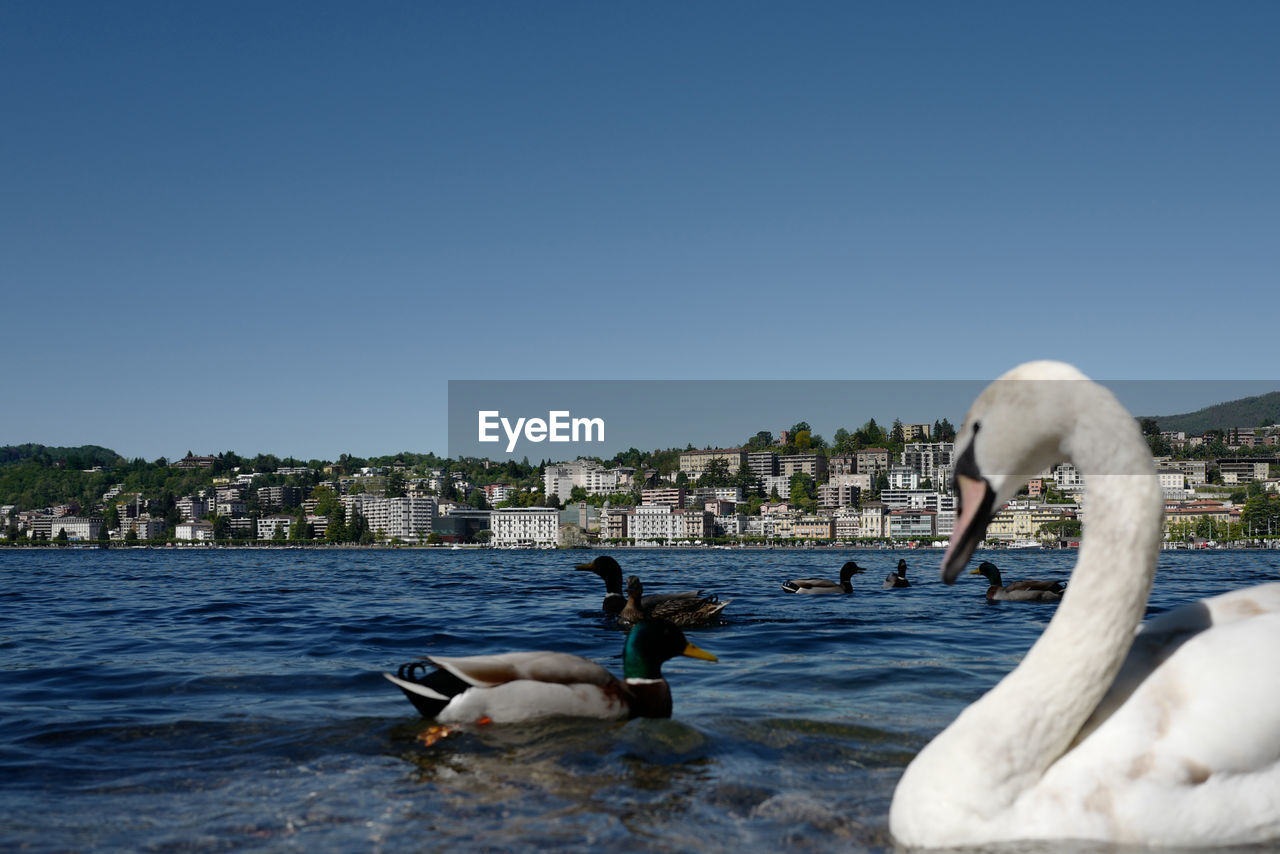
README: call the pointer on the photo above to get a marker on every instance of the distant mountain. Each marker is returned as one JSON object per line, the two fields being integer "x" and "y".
{"x": 82, "y": 457}
{"x": 1245, "y": 412}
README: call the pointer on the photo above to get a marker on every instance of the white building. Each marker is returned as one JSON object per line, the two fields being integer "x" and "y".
{"x": 560, "y": 479}
{"x": 194, "y": 531}
{"x": 1173, "y": 484}
{"x": 406, "y": 518}
{"x": 268, "y": 526}
{"x": 903, "y": 477}
{"x": 192, "y": 507}
{"x": 653, "y": 523}
{"x": 529, "y": 527}
{"x": 928, "y": 459}
{"x": 848, "y": 524}
{"x": 77, "y": 527}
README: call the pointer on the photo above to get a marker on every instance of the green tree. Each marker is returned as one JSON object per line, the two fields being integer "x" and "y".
{"x": 715, "y": 474}
{"x": 434, "y": 539}
{"x": 221, "y": 527}
{"x": 298, "y": 530}
{"x": 278, "y": 536}
{"x": 61, "y": 538}
{"x": 395, "y": 485}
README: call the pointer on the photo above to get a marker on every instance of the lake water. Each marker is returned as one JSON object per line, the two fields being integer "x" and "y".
{"x": 219, "y": 700}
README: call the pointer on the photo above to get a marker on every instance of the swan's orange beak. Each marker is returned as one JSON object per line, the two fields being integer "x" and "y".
{"x": 976, "y": 498}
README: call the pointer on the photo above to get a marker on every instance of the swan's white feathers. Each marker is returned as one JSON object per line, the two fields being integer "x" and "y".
{"x": 486, "y": 671}
{"x": 1170, "y": 736}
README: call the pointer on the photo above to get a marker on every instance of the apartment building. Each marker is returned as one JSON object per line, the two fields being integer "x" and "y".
{"x": 193, "y": 531}
{"x": 279, "y": 496}
{"x": 525, "y": 526}
{"x": 76, "y": 527}
{"x": 814, "y": 465}
{"x": 814, "y": 528}
{"x": 929, "y": 459}
{"x": 841, "y": 465}
{"x": 1243, "y": 470}
{"x": 191, "y": 507}
{"x": 912, "y": 524}
{"x": 695, "y": 463}
{"x": 873, "y": 461}
{"x": 915, "y": 432}
{"x": 762, "y": 463}
{"x": 406, "y": 518}
{"x": 673, "y": 496}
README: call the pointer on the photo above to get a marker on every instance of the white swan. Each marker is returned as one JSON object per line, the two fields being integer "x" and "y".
{"x": 1172, "y": 738}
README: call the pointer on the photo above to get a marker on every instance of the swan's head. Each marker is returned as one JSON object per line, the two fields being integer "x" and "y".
{"x": 1018, "y": 427}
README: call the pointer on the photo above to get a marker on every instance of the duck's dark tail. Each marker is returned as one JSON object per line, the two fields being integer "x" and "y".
{"x": 429, "y": 689}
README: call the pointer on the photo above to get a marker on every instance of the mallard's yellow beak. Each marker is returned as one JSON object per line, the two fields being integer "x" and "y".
{"x": 696, "y": 652}
{"x": 975, "y": 571}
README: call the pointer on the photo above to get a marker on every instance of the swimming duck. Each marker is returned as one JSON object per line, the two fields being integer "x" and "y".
{"x": 687, "y": 608}
{"x": 683, "y": 612}
{"x": 1169, "y": 737}
{"x": 1017, "y": 591}
{"x": 897, "y": 578}
{"x": 825, "y": 585}
{"x": 523, "y": 686}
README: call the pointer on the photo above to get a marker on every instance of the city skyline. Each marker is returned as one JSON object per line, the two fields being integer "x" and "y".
{"x": 284, "y": 229}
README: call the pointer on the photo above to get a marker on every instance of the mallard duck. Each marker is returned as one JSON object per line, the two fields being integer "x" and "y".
{"x": 1166, "y": 738}
{"x": 1017, "y": 591}
{"x": 682, "y": 611}
{"x": 681, "y": 608}
{"x": 897, "y": 578}
{"x": 524, "y": 686}
{"x": 825, "y": 585}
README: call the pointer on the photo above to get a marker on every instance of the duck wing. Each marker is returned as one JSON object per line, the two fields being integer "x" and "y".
{"x": 1051, "y": 586}
{"x": 686, "y": 613}
{"x": 811, "y": 585}
{"x": 651, "y": 600}
{"x": 486, "y": 671}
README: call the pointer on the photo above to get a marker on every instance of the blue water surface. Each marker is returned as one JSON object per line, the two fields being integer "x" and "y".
{"x": 210, "y": 700}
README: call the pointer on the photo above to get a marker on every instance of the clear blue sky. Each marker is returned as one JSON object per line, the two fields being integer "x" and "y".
{"x": 282, "y": 227}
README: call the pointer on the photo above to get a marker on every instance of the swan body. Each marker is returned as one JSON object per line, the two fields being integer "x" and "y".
{"x": 1169, "y": 735}
{"x": 523, "y": 686}
{"x": 897, "y": 578}
{"x": 1017, "y": 591}
{"x": 824, "y": 585}
{"x": 686, "y": 609}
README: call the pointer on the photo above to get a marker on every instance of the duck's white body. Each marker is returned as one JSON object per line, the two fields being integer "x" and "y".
{"x": 1172, "y": 738}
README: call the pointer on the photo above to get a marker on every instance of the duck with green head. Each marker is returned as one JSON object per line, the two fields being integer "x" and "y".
{"x": 825, "y": 585}
{"x": 687, "y": 609}
{"x": 523, "y": 686}
{"x": 897, "y": 578}
{"x": 1017, "y": 591}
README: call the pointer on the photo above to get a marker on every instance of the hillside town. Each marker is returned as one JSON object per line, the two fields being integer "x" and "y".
{"x": 779, "y": 492}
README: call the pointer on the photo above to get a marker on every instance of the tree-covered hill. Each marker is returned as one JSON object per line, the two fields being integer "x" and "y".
{"x": 1255, "y": 411}
{"x": 82, "y": 457}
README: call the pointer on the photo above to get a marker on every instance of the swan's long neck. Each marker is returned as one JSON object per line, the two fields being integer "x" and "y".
{"x": 1006, "y": 740}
